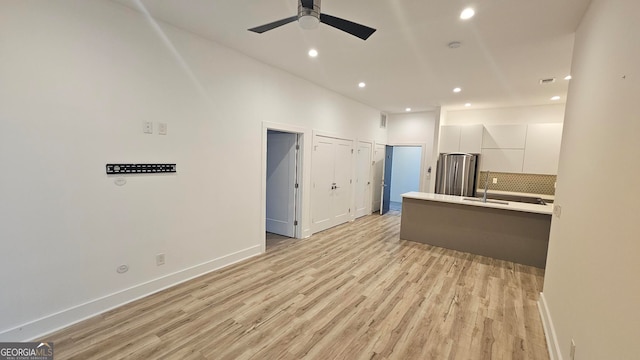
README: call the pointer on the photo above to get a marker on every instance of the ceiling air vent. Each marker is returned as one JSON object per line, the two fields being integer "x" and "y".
{"x": 383, "y": 120}
{"x": 547, "y": 81}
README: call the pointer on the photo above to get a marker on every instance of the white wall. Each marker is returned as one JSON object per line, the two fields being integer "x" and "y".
{"x": 512, "y": 115}
{"x": 405, "y": 171}
{"x": 78, "y": 79}
{"x": 416, "y": 129}
{"x": 591, "y": 288}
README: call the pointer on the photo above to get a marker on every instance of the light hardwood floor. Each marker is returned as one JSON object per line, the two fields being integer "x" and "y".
{"x": 352, "y": 292}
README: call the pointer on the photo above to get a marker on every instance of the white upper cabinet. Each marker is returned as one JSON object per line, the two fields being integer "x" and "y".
{"x": 513, "y": 148}
{"x": 502, "y": 160}
{"x": 471, "y": 138}
{"x": 543, "y": 149}
{"x": 449, "y": 139}
{"x": 461, "y": 138}
{"x": 504, "y": 137}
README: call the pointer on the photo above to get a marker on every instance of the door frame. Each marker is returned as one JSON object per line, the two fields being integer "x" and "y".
{"x": 286, "y": 145}
{"x": 302, "y": 169}
{"x": 423, "y": 165}
{"x": 375, "y": 144}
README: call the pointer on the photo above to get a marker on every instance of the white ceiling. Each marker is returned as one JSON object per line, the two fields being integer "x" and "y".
{"x": 506, "y": 48}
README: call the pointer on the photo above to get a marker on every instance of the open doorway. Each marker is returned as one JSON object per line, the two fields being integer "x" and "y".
{"x": 402, "y": 171}
{"x": 282, "y": 187}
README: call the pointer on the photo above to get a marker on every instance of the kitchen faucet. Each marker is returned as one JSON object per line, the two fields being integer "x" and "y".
{"x": 486, "y": 187}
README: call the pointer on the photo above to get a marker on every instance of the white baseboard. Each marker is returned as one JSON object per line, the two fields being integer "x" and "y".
{"x": 549, "y": 330}
{"x": 39, "y": 328}
{"x": 306, "y": 233}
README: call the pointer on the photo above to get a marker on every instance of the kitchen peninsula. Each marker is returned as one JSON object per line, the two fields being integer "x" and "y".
{"x": 511, "y": 231}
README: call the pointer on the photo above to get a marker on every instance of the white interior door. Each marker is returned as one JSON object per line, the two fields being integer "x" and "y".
{"x": 281, "y": 178}
{"x": 342, "y": 181}
{"x": 331, "y": 177}
{"x": 322, "y": 177}
{"x": 378, "y": 171}
{"x": 363, "y": 179}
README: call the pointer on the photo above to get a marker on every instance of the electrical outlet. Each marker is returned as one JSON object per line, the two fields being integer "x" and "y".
{"x": 572, "y": 353}
{"x": 495, "y": 180}
{"x": 557, "y": 210}
{"x": 159, "y": 259}
{"x": 162, "y": 128}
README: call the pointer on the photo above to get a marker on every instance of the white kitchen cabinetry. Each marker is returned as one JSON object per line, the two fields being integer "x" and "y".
{"x": 449, "y": 139}
{"x": 543, "y": 149}
{"x": 511, "y": 148}
{"x": 504, "y": 137}
{"x": 461, "y": 138}
{"x": 471, "y": 138}
{"x": 502, "y": 160}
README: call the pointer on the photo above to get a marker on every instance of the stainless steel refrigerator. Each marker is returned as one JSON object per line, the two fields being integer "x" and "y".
{"x": 457, "y": 174}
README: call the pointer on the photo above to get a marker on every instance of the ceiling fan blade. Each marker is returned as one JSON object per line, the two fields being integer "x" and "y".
{"x": 273, "y": 25}
{"x": 361, "y": 31}
{"x": 307, "y": 4}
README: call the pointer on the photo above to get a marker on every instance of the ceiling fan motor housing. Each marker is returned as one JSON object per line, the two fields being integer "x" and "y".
{"x": 309, "y": 17}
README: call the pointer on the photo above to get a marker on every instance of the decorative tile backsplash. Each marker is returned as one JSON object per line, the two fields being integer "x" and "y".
{"x": 524, "y": 183}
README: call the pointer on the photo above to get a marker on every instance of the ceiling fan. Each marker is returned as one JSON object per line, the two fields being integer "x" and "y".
{"x": 309, "y": 16}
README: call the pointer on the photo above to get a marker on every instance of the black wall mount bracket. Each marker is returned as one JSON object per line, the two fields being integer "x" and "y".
{"x": 119, "y": 169}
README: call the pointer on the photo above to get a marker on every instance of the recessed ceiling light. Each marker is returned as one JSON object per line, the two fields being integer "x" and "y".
{"x": 313, "y": 52}
{"x": 467, "y": 104}
{"x": 361, "y": 85}
{"x": 407, "y": 109}
{"x": 555, "y": 98}
{"x": 467, "y": 13}
{"x": 568, "y": 77}
{"x": 457, "y": 90}
{"x": 454, "y": 44}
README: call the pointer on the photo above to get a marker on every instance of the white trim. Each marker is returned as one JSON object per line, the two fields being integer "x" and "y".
{"x": 331, "y": 135}
{"x": 423, "y": 162}
{"x": 304, "y": 175}
{"x": 384, "y": 158}
{"x": 549, "y": 330}
{"x": 39, "y": 328}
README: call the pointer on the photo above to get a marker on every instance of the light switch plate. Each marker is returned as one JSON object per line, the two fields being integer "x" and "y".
{"x": 147, "y": 127}
{"x": 495, "y": 180}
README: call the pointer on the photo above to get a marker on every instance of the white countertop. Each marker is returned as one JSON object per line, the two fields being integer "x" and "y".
{"x": 511, "y": 205}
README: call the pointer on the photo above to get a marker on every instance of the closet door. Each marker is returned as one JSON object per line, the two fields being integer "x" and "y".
{"x": 322, "y": 176}
{"x": 363, "y": 179}
{"x": 331, "y": 177}
{"x": 341, "y": 202}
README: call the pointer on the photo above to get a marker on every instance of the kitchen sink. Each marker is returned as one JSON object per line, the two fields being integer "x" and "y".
{"x": 488, "y": 201}
{"x": 516, "y": 198}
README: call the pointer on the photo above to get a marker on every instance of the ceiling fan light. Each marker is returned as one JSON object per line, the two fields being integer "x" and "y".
{"x": 308, "y": 22}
